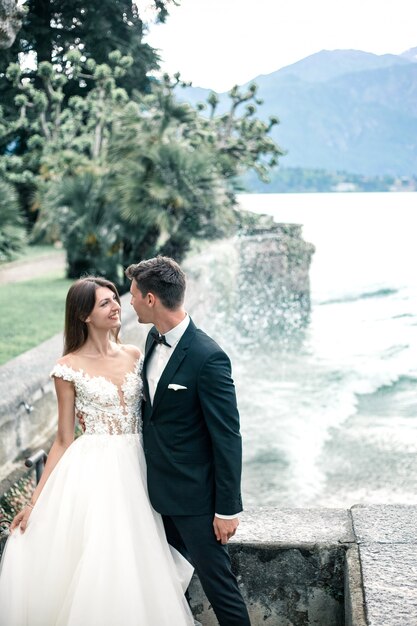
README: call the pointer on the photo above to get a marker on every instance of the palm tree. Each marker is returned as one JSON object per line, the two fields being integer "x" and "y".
{"x": 78, "y": 207}
{"x": 12, "y": 231}
{"x": 168, "y": 189}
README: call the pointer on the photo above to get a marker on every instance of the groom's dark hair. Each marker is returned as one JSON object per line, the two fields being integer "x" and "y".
{"x": 161, "y": 276}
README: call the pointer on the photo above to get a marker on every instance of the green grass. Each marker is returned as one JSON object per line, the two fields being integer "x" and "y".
{"x": 31, "y": 312}
{"x": 33, "y": 252}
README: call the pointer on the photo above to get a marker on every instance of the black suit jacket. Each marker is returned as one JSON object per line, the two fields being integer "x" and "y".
{"x": 191, "y": 436}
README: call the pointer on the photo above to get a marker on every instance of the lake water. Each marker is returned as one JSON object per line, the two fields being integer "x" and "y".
{"x": 333, "y": 421}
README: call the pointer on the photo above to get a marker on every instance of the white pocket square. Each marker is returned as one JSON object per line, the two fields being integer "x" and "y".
{"x": 176, "y": 387}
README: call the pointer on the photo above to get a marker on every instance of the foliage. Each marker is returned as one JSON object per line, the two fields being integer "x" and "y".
{"x": 297, "y": 179}
{"x": 51, "y": 30}
{"x": 176, "y": 172}
{"x": 88, "y": 224}
{"x": 12, "y": 501}
{"x": 12, "y": 231}
{"x": 121, "y": 177}
{"x": 168, "y": 190}
{"x": 61, "y": 138}
{"x": 242, "y": 140}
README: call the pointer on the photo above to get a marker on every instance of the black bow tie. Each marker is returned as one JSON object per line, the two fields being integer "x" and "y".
{"x": 160, "y": 338}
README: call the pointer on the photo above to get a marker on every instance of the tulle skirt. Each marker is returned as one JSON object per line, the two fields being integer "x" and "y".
{"x": 94, "y": 552}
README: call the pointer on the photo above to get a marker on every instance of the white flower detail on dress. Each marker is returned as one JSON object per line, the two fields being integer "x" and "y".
{"x": 101, "y": 407}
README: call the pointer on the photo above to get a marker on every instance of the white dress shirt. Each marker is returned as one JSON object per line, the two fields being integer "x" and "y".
{"x": 158, "y": 361}
{"x": 162, "y": 353}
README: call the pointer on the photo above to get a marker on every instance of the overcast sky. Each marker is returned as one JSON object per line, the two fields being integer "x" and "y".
{"x": 218, "y": 43}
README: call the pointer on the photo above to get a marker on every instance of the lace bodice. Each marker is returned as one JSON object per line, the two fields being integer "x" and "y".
{"x": 102, "y": 408}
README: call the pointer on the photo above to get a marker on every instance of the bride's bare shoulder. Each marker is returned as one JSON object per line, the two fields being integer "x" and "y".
{"x": 67, "y": 359}
{"x": 132, "y": 350}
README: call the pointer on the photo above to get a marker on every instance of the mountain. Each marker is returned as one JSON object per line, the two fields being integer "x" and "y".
{"x": 343, "y": 110}
{"x": 410, "y": 55}
{"x": 328, "y": 64}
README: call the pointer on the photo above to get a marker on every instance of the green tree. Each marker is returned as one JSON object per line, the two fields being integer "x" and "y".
{"x": 50, "y": 30}
{"x": 242, "y": 140}
{"x": 60, "y": 137}
{"x": 68, "y": 148}
{"x": 88, "y": 224}
{"x": 122, "y": 177}
{"x": 169, "y": 190}
{"x": 176, "y": 172}
{"x": 12, "y": 231}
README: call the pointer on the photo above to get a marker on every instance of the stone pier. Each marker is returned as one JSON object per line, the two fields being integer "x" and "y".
{"x": 273, "y": 282}
{"x": 299, "y": 567}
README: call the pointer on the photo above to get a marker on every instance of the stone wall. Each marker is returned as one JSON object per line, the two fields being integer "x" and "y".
{"x": 327, "y": 567}
{"x": 273, "y": 280}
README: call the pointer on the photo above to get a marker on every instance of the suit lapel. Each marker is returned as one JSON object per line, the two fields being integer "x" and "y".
{"x": 173, "y": 364}
{"x": 149, "y": 347}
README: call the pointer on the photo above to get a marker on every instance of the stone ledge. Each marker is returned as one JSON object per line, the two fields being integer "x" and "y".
{"x": 376, "y": 543}
{"x": 387, "y": 538}
{"x": 295, "y": 526}
{"x": 394, "y": 523}
{"x": 295, "y": 567}
{"x": 389, "y": 577}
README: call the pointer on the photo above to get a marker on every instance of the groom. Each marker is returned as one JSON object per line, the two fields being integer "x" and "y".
{"x": 191, "y": 433}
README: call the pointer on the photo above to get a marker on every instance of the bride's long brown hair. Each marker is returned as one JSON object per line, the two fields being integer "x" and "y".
{"x": 80, "y": 301}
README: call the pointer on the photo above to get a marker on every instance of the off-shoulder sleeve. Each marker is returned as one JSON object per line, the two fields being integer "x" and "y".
{"x": 63, "y": 371}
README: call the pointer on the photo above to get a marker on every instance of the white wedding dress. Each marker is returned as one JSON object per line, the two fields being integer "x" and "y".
{"x": 94, "y": 552}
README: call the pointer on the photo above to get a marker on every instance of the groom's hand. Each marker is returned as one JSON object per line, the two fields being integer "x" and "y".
{"x": 225, "y": 528}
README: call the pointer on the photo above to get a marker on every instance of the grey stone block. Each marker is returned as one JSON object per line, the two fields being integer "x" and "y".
{"x": 390, "y": 583}
{"x": 385, "y": 523}
{"x": 295, "y": 526}
{"x": 387, "y": 540}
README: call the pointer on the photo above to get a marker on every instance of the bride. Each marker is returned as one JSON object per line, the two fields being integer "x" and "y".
{"x": 88, "y": 549}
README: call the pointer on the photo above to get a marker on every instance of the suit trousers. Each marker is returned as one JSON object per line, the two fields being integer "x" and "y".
{"x": 193, "y": 536}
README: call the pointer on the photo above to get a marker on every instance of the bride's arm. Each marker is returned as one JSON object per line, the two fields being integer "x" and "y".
{"x": 63, "y": 439}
